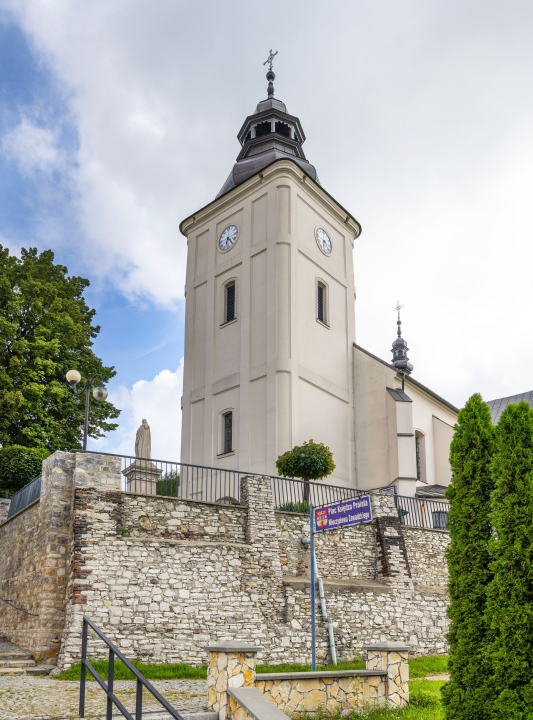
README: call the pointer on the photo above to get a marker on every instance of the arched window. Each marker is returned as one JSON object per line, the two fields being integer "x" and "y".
{"x": 322, "y": 309}
{"x": 420, "y": 444}
{"x": 227, "y": 432}
{"x": 229, "y": 301}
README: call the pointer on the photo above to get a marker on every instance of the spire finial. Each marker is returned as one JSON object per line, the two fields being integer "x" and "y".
{"x": 270, "y": 74}
{"x": 398, "y": 322}
{"x": 399, "y": 349}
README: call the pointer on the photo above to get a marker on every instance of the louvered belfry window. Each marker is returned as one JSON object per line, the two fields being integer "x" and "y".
{"x": 230, "y": 302}
{"x": 228, "y": 432}
{"x": 320, "y": 302}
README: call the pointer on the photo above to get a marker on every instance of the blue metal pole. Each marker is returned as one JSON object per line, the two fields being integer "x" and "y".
{"x": 313, "y": 618}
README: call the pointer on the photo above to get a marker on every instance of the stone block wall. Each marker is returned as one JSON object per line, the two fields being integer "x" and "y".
{"x": 4, "y": 509}
{"x": 426, "y": 550}
{"x": 35, "y": 546}
{"x": 163, "y": 577}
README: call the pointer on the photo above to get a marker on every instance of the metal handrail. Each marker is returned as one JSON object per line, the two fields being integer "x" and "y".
{"x": 108, "y": 687}
{"x": 24, "y": 497}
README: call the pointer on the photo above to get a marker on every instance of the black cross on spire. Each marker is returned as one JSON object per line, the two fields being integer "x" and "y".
{"x": 270, "y": 58}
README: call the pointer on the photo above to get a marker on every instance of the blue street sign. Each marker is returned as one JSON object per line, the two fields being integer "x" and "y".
{"x": 349, "y": 512}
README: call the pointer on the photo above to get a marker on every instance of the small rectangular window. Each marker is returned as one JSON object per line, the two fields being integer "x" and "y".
{"x": 320, "y": 303}
{"x": 230, "y": 302}
{"x": 228, "y": 432}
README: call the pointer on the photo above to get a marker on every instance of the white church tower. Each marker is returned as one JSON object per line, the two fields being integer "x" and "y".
{"x": 269, "y": 323}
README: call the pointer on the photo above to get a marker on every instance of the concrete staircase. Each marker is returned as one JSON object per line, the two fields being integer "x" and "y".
{"x": 14, "y": 661}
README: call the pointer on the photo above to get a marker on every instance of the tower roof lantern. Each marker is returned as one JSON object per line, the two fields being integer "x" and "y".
{"x": 268, "y": 135}
{"x": 400, "y": 349}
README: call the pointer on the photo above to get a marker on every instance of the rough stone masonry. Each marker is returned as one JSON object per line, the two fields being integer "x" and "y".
{"x": 164, "y": 577}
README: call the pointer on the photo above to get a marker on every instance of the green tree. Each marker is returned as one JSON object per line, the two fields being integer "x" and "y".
{"x": 310, "y": 461}
{"x": 45, "y": 330}
{"x": 20, "y": 465}
{"x": 469, "y": 494}
{"x": 509, "y": 612}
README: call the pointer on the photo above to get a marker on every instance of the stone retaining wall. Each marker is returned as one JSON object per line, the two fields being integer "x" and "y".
{"x": 35, "y": 546}
{"x": 163, "y": 577}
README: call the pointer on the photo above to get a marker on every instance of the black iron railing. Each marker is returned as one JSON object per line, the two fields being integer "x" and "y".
{"x": 112, "y": 699}
{"x": 198, "y": 482}
{"x": 422, "y": 512}
{"x": 24, "y": 497}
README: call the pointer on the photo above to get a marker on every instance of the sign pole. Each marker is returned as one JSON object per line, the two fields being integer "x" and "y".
{"x": 313, "y": 618}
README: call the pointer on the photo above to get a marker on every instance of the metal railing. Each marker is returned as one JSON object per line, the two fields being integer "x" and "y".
{"x": 147, "y": 476}
{"x": 199, "y": 482}
{"x": 422, "y": 512}
{"x": 24, "y": 497}
{"x": 112, "y": 699}
{"x": 296, "y": 495}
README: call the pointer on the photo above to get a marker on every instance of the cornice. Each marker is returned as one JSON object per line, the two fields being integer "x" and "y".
{"x": 278, "y": 167}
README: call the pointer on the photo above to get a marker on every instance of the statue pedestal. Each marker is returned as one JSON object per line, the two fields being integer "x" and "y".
{"x": 141, "y": 477}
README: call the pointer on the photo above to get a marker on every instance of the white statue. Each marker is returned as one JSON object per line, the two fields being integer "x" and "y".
{"x": 143, "y": 441}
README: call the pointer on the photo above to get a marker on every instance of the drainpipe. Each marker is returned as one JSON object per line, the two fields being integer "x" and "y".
{"x": 332, "y": 649}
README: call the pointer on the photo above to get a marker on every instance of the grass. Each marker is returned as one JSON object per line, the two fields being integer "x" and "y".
{"x": 430, "y": 665}
{"x": 178, "y": 671}
{"x": 418, "y": 667}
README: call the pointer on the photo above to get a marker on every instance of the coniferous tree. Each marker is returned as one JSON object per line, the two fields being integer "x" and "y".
{"x": 509, "y": 613}
{"x": 468, "y": 559}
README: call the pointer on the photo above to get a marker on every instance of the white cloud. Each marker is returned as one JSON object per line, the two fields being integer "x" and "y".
{"x": 34, "y": 148}
{"x": 158, "y": 401}
{"x": 421, "y": 128}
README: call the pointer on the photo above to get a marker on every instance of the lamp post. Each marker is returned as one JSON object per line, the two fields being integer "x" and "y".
{"x": 99, "y": 393}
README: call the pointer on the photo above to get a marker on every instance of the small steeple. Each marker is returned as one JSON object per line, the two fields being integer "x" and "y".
{"x": 269, "y": 134}
{"x": 399, "y": 348}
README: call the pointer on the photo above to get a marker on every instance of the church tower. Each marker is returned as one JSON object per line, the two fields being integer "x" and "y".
{"x": 269, "y": 322}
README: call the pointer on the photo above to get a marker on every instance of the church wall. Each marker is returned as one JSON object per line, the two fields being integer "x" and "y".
{"x": 375, "y": 441}
{"x": 437, "y": 449}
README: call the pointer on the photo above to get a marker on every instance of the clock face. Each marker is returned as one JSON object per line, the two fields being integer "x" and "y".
{"x": 228, "y": 237}
{"x": 323, "y": 241}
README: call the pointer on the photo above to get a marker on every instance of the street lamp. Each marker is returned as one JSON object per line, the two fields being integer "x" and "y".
{"x": 99, "y": 393}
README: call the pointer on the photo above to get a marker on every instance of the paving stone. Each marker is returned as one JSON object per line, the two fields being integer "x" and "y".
{"x": 37, "y": 698}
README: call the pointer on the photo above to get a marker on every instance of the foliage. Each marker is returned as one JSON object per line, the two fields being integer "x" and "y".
{"x": 20, "y": 465}
{"x": 468, "y": 559}
{"x": 46, "y": 330}
{"x": 509, "y": 612}
{"x": 297, "y": 507}
{"x": 420, "y": 667}
{"x": 310, "y": 461}
{"x": 168, "y": 485}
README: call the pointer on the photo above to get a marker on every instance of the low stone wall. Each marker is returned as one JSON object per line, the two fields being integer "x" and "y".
{"x": 233, "y": 684}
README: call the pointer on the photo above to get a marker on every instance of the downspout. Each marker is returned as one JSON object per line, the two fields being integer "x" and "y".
{"x": 323, "y": 608}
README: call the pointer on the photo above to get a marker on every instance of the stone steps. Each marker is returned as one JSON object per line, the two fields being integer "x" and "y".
{"x": 14, "y": 662}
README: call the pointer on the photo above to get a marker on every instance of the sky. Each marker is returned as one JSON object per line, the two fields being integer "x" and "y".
{"x": 119, "y": 119}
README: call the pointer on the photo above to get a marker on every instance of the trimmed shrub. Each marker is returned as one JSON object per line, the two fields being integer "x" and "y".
{"x": 20, "y": 465}
{"x": 469, "y": 493}
{"x": 310, "y": 461}
{"x": 509, "y": 612}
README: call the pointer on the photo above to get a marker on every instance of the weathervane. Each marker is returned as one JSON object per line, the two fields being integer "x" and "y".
{"x": 270, "y": 73}
{"x": 270, "y": 58}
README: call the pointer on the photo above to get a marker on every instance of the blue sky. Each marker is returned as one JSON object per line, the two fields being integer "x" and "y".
{"x": 119, "y": 119}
